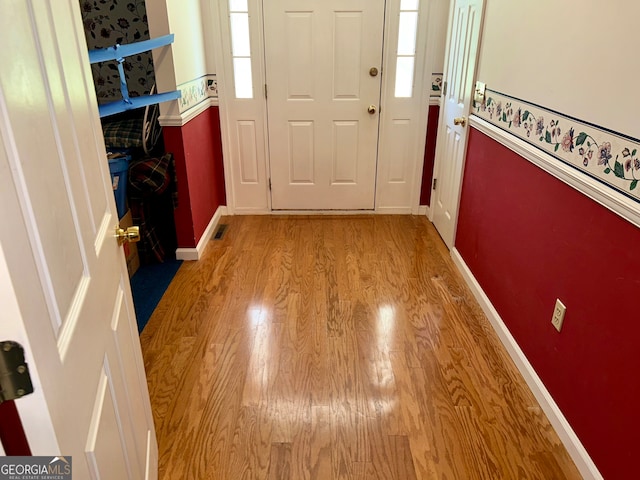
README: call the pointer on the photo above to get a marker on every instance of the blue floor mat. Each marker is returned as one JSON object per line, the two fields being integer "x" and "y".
{"x": 148, "y": 285}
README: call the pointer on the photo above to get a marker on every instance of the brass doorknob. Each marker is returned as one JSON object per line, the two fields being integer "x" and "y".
{"x": 129, "y": 235}
{"x": 373, "y": 71}
{"x": 460, "y": 121}
{"x": 372, "y": 109}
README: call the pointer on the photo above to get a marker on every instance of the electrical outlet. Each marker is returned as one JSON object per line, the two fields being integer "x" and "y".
{"x": 558, "y": 315}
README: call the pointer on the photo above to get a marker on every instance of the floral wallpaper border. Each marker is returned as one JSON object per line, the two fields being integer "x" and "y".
{"x": 197, "y": 91}
{"x": 611, "y": 158}
{"x": 436, "y": 84}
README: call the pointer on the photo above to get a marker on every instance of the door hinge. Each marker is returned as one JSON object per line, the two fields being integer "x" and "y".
{"x": 435, "y": 183}
{"x": 265, "y": 91}
{"x": 444, "y": 89}
{"x": 269, "y": 184}
{"x": 15, "y": 381}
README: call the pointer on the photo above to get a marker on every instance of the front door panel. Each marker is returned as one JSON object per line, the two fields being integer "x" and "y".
{"x": 322, "y": 138}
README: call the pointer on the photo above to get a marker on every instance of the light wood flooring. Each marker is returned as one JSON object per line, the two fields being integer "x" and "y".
{"x": 337, "y": 348}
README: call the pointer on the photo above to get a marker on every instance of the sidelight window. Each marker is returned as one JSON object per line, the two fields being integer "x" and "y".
{"x": 241, "y": 48}
{"x": 406, "y": 53}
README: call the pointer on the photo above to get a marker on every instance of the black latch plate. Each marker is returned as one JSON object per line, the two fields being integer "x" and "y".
{"x": 15, "y": 381}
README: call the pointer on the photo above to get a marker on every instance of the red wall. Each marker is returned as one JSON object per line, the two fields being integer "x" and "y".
{"x": 529, "y": 239}
{"x": 197, "y": 149}
{"x": 12, "y": 434}
{"x": 429, "y": 155}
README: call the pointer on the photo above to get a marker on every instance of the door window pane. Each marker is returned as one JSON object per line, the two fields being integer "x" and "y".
{"x": 241, "y": 48}
{"x": 406, "y": 51}
{"x": 240, "y": 5}
{"x": 407, "y": 33}
{"x": 404, "y": 77}
{"x": 243, "y": 78}
{"x": 409, "y": 5}
{"x": 240, "y": 35}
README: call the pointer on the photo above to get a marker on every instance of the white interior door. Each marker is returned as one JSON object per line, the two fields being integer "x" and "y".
{"x": 64, "y": 289}
{"x": 323, "y": 137}
{"x": 460, "y": 65}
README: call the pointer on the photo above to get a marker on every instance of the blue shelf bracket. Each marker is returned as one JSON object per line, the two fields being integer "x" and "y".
{"x": 118, "y": 53}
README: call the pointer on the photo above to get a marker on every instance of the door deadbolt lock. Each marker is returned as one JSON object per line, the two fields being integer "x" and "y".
{"x": 128, "y": 235}
{"x": 373, "y": 71}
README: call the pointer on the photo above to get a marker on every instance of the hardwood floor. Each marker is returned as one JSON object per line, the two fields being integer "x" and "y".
{"x": 337, "y": 348}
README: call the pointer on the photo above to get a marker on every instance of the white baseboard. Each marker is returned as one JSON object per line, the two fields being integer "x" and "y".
{"x": 248, "y": 211}
{"x": 377, "y": 211}
{"x": 393, "y": 211}
{"x": 196, "y": 253}
{"x": 424, "y": 210}
{"x": 568, "y": 437}
{"x": 321, "y": 212}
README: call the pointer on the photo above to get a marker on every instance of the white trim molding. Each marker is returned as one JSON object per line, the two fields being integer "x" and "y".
{"x": 592, "y": 188}
{"x": 196, "y": 253}
{"x": 394, "y": 210}
{"x": 568, "y": 437}
{"x": 424, "y": 210}
{"x": 183, "y": 118}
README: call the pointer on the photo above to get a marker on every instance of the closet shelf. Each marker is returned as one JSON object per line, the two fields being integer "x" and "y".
{"x": 136, "y": 102}
{"x": 118, "y": 53}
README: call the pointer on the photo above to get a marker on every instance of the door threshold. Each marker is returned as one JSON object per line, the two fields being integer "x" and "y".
{"x": 323, "y": 212}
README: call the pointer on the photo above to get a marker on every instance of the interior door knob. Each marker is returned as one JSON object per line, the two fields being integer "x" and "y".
{"x": 373, "y": 71}
{"x": 460, "y": 121}
{"x": 372, "y": 109}
{"x": 130, "y": 235}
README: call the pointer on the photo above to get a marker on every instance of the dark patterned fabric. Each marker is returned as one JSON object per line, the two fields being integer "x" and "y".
{"x": 123, "y": 133}
{"x": 110, "y": 22}
{"x": 152, "y": 185}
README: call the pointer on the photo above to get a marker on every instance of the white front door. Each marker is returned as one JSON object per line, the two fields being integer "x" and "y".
{"x": 461, "y": 57}
{"x": 64, "y": 289}
{"x": 323, "y": 135}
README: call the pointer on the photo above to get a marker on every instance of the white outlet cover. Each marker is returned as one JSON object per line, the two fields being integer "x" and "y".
{"x": 558, "y": 315}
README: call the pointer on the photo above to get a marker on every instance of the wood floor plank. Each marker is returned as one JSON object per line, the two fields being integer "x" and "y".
{"x": 320, "y": 455}
{"x": 412, "y": 420}
{"x": 446, "y": 439}
{"x": 403, "y": 467}
{"x": 337, "y": 347}
{"x": 280, "y": 466}
{"x": 249, "y": 454}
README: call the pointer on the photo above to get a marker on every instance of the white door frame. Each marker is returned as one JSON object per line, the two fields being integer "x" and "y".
{"x": 260, "y": 201}
{"x": 465, "y": 132}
